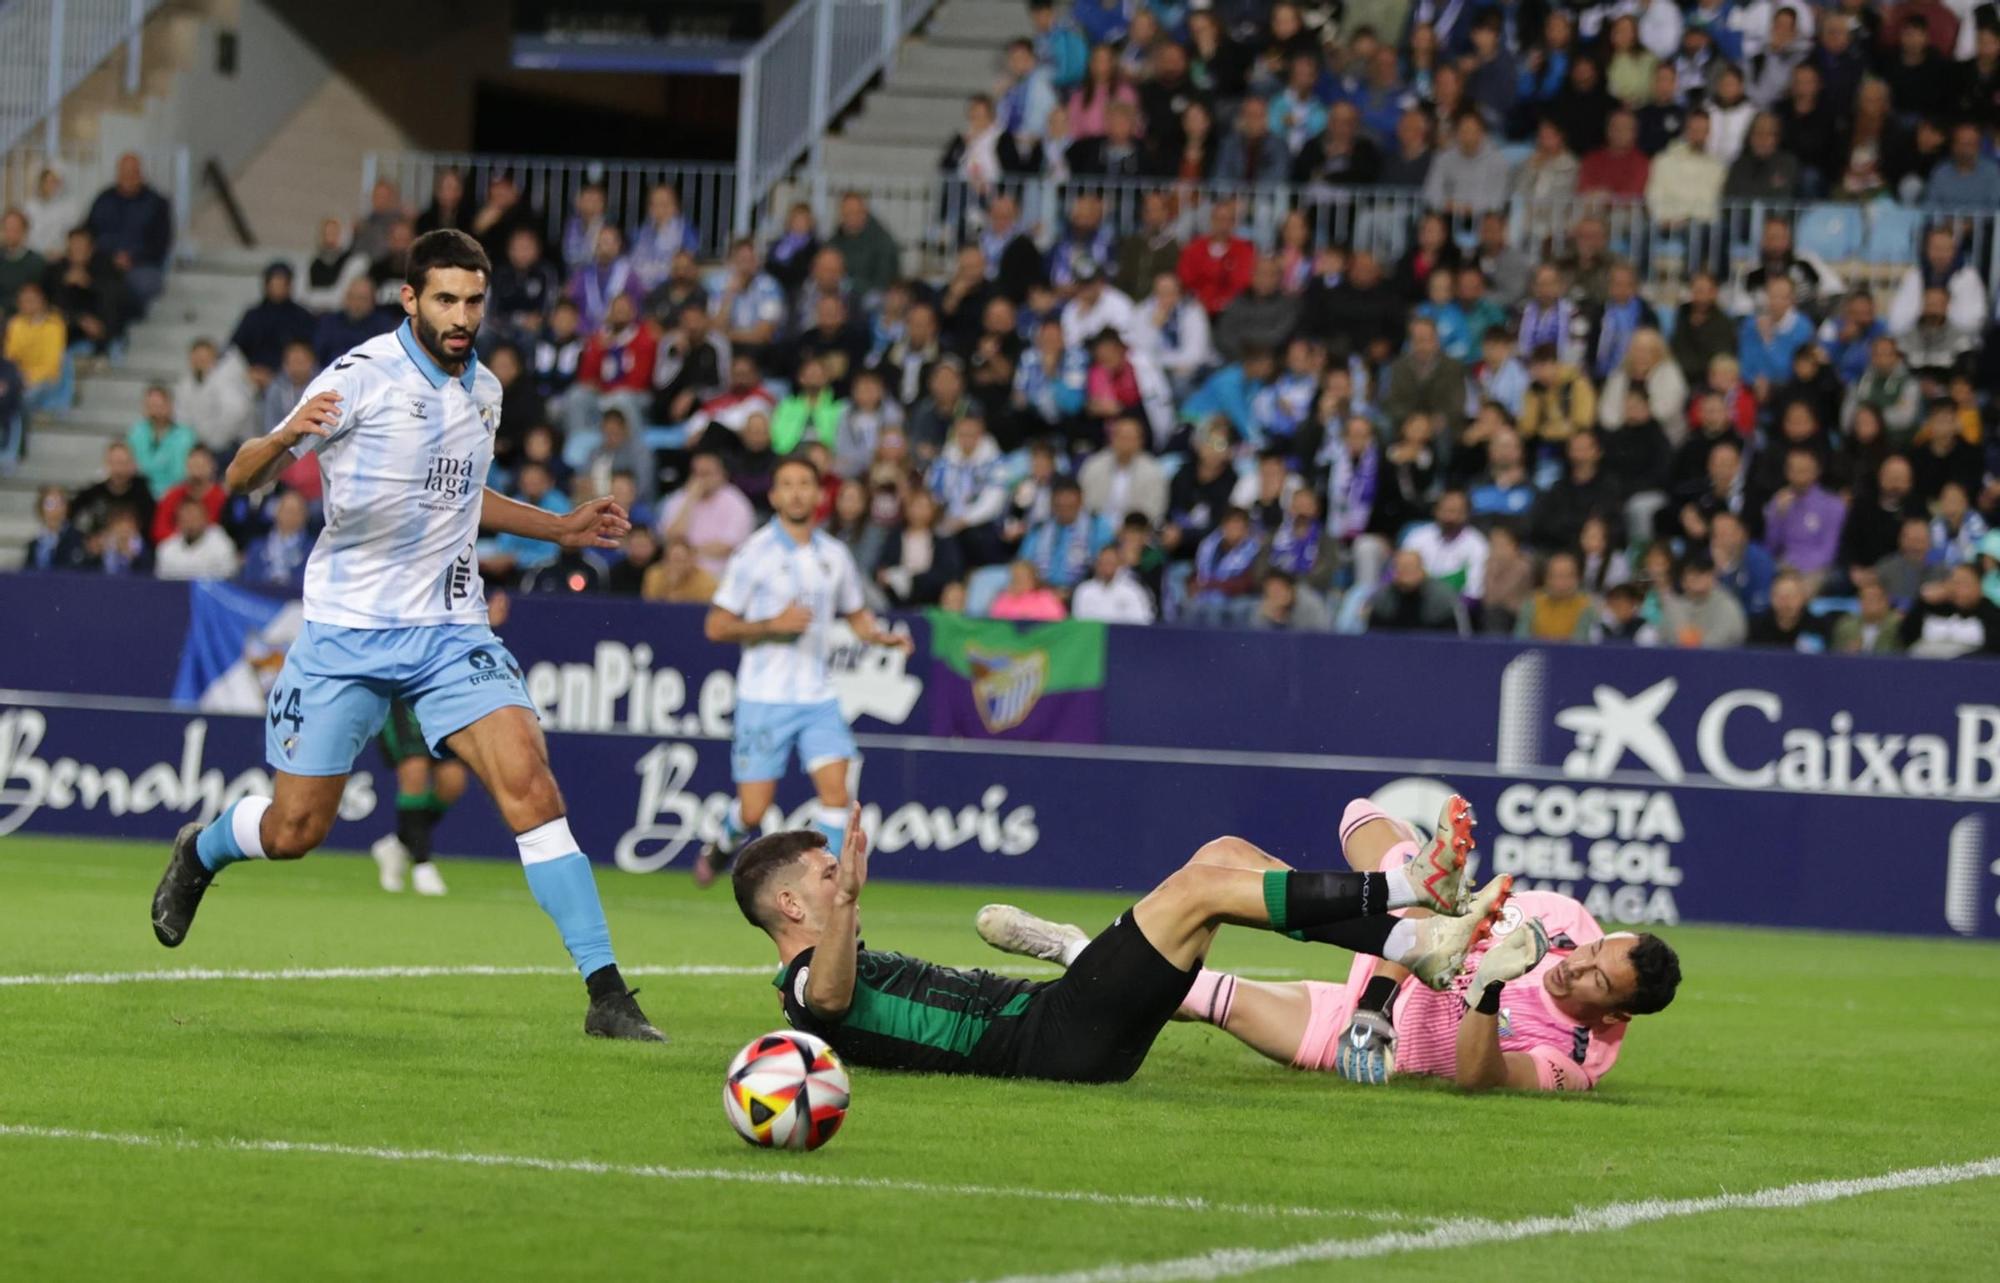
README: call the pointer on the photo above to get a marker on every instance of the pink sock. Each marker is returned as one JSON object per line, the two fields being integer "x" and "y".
{"x": 1360, "y": 811}
{"x": 1210, "y": 997}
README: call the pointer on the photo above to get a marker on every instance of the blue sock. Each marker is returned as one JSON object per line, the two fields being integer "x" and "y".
{"x": 831, "y": 821}
{"x": 563, "y": 886}
{"x": 232, "y": 836}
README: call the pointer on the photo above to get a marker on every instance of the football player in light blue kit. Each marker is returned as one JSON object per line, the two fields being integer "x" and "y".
{"x": 779, "y": 597}
{"x": 394, "y": 609}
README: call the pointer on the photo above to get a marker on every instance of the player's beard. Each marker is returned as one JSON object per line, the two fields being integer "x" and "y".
{"x": 433, "y": 342}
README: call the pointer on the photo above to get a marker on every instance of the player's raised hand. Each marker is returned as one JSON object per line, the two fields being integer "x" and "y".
{"x": 791, "y": 621}
{"x": 1518, "y": 948}
{"x": 600, "y": 523}
{"x": 314, "y": 418}
{"x": 853, "y": 859}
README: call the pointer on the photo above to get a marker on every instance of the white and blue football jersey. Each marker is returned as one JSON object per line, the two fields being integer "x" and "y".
{"x": 764, "y": 576}
{"x": 405, "y": 472}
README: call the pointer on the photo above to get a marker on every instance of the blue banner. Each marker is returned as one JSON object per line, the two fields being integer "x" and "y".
{"x": 1659, "y": 785}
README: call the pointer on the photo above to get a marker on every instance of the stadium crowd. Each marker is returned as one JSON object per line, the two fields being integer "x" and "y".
{"x": 1125, "y": 399}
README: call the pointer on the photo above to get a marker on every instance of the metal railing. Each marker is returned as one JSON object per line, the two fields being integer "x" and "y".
{"x": 929, "y": 216}
{"x": 796, "y": 79}
{"x": 48, "y": 48}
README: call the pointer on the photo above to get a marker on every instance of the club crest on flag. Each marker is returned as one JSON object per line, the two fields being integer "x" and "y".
{"x": 1006, "y": 687}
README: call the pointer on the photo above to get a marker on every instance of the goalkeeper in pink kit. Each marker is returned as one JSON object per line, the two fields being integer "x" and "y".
{"x": 1541, "y": 1004}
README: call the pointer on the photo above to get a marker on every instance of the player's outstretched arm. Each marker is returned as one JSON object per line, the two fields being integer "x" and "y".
{"x": 260, "y": 460}
{"x": 830, "y": 985}
{"x": 1482, "y": 1065}
{"x": 600, "y": 523}
{"x": 728, "y": 627}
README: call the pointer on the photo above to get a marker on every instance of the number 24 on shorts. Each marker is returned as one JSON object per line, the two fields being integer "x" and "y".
{"x": 285, "y": 708}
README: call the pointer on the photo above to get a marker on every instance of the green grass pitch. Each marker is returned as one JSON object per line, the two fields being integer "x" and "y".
{"x": 1788, "y": 1058}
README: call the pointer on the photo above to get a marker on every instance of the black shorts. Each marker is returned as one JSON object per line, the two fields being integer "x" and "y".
{"x": 402, "y": 738}
{"x": 1097, "y": 1023}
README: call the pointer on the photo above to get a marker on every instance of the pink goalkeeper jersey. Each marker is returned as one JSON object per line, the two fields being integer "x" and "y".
{"x": 1568, "y": 1056}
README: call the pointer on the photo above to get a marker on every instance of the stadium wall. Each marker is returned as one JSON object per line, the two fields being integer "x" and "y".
{"x": 1661, "y": 786}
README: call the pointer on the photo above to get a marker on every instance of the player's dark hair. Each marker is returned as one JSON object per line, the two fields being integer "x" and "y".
{"x": 766, "y": 858}
{"x": 445, "y": 247}
{"x": 1659, "y": 970}
{"x": 799, "y": 460}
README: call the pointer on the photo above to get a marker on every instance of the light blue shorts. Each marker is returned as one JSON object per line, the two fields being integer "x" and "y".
{"x": 335, "y": 688}
{"x": 766, "y": 734}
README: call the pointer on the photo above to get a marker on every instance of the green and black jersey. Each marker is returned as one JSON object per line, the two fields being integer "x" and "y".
{"x": 910, "y": 1014}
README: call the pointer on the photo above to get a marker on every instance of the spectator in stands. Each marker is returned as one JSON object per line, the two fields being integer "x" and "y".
{"x": 620, "y": 451}
{"x": 355, "y": 322}
{"x": 1225, "y": 589}
{"x": 1700, "y": 615}
{"x": 160, "y": 444}
{"x": 1934, "y": 348}
{"x": 1904, "y": 572}
{"x": 1877, "y": 515}
{"x": 1470, "y": 177}
{"x": 1942, "y": 455}
{"x": 281, "y": 397}
{"x": 35, "y": 340}
{"x": 1766, "y": 342}
{"x": 1702, "y": 330}
{"x": 1647, "y": 368}
{"x": 1763, "y": 170}
{"x": 1411, "y": 602}
{"x": 664, "y": 235}
{"x": 51, "y": 212}
{"x": 615, "y": 370}
{"x": 1012, "y": 262}
{"x": 122, "y": 487}
{"x": 1559, "y": 401}
{"x": 195, "y": 548}
{"x": 748, "y": 304}
{"x": 1787, "y": 624}
{"x": 278, "y": 559}
{"x": 1026, "y": 599}
{"x": 89, "y": 292}
{"x": 683, "y": 286}
{"x": 1550, "y": 319}
{"x": 1546, "y": 180}
{"x": 691, "y": 366}
{"x": 1943, "y": 266}
{"x": 1802, "y": 521}
{"x": 606, "y": 276}
{"x": 1815, "y": 286}
{"x": 708, "y": 512}
{"x": 269, "y": 326}
{"x": 1848, "y": 335}
{"x": 1876, "y": 628}
{"x": 1730, "y": 113}
{"x": 1583, "y": 491}
{"x": 678, "y": 577}
{"x": 503, "y": 214}
{"x": 1453, "y": 550}
{"x": 1560, "y": 610}
{"x": 1957, "y": 532}
{"x": 1063, "y": 547}
{"x": 389, "y": 268}
{"x": 118, "y": 548}
{"x": 867, "y": 414}
{"x": 448, "y": 207}
{"x": 134, "y": 224}
{"x": 812, "y": 411}
{"x": 1122, "y": 478}
{"x": 1173, "y": 331}
{"x": 1952, "y": 619}
{"x": 334, "y": 265}
{"x": 19, "y": 263}
{"x": 214, "y": 397}
{"x": 199, "y": 483}
{"x": 525, "y": 285}
{"x": 1113, "y": 594}
{"x": 58, "y": 545}
{"x": 1261, "y": 316}
{"x": 1283, "y": 605}
{"x": 1617, "y": 321}
{"x": 1217, "y": 267}
{"x": 1424, "y": 380}
{"x": 1744, "y": 568}
{"x": 1888, "y": 387}
{"x": 1810, "y": 130}
{"x": 521, "y": 405}
{"x": 919, "y": 559}
{"x": 579, "y": 234}
{"x": 1618, "y": 170}
{"x": 867, "y": 248}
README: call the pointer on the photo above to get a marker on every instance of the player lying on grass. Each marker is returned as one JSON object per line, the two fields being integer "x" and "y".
{"x": 1098, "y": 1021}
{"x": 1545, "y": 1006}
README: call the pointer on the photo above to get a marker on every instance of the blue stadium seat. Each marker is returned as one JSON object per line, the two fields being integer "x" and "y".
{"x": 981, "y": 587}
{"x": 1831, "y": 233}
{"x": 1892, "y": 233}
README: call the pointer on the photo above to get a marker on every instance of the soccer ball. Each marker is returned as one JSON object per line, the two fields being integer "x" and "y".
{"x": 786, "y": 1090}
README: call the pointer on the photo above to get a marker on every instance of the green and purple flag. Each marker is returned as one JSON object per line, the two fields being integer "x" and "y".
{"x": 993, "y": 680}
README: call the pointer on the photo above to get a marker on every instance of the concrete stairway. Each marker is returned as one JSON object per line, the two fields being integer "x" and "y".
{"x": 901, "y": 129}
{"x": 203, "y": 298}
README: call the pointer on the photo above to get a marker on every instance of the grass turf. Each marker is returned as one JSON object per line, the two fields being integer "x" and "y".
{"x": 1787, "y": 1057}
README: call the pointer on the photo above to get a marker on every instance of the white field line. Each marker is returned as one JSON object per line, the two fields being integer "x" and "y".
{"x": 1235, "y": 1262}
{"x": 184, "y": 975}
{"x": 737, "y": 1175}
